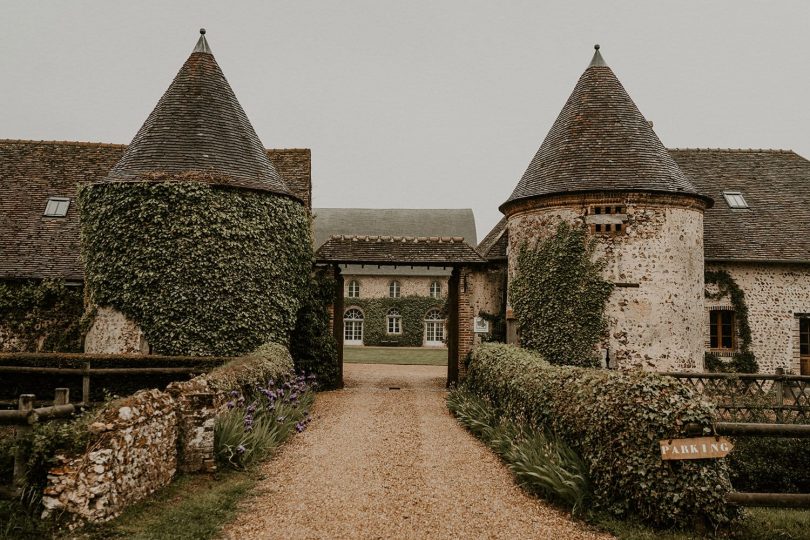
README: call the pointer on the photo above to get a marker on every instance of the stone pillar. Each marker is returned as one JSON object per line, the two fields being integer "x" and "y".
{"x": 196, "y": 415}
{"x": 452, "y": 328}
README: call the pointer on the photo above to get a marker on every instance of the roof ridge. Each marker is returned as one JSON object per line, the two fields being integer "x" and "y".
{"x": 751, "y": 150}
{"x": 395, "y": 238}
{"x": 74, "y": 143}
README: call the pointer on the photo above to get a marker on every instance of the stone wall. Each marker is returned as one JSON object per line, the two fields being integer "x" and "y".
{"x": 113, "y": 333}
{"x": 655, "y": 312}
{"x": 377, "y": 286}
{"x": 776, "y": 296}
{"x": 134, "y": 454}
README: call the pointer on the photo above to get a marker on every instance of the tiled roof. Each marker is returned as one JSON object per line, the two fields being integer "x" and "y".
{"x": 34, "y": 246}
{"x": 776, "y": 186}
{"x": 494, "y": 244}
{"x": 198, "y": 130}
{"x": 600, "y": 141}
{"x": 329, "y": 222}
{"x": 401, "y": 250}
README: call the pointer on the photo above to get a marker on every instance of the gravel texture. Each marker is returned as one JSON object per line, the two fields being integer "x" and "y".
{"x": 384, "y": 463}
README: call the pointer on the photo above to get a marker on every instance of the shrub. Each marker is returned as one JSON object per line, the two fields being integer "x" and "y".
{"x": 741, "y": 362}
{"x": 270, "y": 361}
{"x": 257, "y": 423}
{"x": 614, "y": 421}
{"x": 543, "y": 464}
{"x": 202, "y": 270}
{"x": 770, "y": 465}
{"x": 558, "y": 296}
{"x": 312, "y": 345}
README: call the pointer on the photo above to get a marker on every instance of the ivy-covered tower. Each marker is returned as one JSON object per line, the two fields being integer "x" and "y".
{"x": 602, "y": 167}
{"x": 193, "y": 244}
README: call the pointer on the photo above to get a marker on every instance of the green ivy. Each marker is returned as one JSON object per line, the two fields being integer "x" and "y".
{"x": 743, "y": 361}
{"x": 312, "y": 345}
{"x": 33, "y": 310}
{"x": 613, "y": 420}
{"x": 412, "y": 309}
{"x": 558, "y": 296}
{"x": 202, "y": 270}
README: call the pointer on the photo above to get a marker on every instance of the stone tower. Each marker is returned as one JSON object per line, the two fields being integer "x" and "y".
{"x": 603, "y": 168}
{"x": 193, "y": 243}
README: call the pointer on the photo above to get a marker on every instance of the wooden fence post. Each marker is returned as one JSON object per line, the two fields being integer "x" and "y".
{"x": 61, "y": 396}
{"x": 25, "y": 404}
{"x": 86, "y": 383}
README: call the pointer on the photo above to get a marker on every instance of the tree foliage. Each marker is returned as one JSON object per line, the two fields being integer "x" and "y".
{"x": 558, "y": 296}
{"x": 202, "y": 270}
{"x": 312, "y": 345}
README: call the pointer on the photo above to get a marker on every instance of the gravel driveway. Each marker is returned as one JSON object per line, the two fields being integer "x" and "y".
{"x": 384, "y": 463}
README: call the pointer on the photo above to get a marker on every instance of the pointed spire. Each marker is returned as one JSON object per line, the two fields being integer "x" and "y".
{"x": 198, "y": 132}
{"x": 202, "y": 44}
{"x": 597, "y": 60}
{"x": 600, "y": 142}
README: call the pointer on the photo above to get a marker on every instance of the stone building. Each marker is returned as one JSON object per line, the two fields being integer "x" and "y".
{"x": 393, "y": 292}
{"x": 664, "y": 219}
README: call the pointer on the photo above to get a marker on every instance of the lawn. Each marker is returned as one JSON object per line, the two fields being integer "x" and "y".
{"x": 395, "y": 355}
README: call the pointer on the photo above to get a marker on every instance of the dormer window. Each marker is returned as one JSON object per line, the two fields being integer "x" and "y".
{"x": 57, "y": 207}
{"x": 735, "y": 200}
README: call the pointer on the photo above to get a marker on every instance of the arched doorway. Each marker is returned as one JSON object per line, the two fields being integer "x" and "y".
{"x": 434, "y": 328}
{"x": 353, "y": 326}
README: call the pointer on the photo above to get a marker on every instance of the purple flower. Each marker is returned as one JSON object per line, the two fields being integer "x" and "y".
{"x": 240, "y": 449}
{"x": 231, "y": 404}
{"x": 234, "y": 393}
{"x": 299, "y": 427}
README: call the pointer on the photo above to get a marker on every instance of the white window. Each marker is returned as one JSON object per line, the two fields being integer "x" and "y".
{"x": 394, "y": 322}
{"x": 434, "y": 328}
{"x": 57, "y": 207}
{"x": 435, "y": 290}
{"x": 353, "y": 327}
{"x": 393, "y": 289}
{"x": 354, "y": 289}
{"x": 735, "y": 200}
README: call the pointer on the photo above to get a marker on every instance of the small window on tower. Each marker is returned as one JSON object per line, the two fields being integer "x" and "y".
{"x": 735, "y": 200}
{"x": 57, "y": 207}
{"x": 607, "y": 219}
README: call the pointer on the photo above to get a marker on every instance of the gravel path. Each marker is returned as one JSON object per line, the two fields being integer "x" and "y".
{"x": 382, "y": 463}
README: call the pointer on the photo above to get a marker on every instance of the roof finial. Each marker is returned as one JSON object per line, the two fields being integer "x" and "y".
{"x": 597, "y": 60}
{"x": 202, "y": 44}
{"x": 596, "y": 47}
{"x": 202, "y": 31}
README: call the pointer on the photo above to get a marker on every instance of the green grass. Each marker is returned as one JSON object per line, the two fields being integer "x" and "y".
{"x": 191, "y": 507}
{"x": 395, "y": 355}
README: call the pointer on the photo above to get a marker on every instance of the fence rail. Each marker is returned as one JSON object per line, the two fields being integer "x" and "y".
{"x": 753, "y": 397}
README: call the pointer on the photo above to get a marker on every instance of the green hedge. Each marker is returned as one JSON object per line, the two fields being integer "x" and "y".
{"x": 47, "y": 310}
{"x": 203, "y": 270}
{"x": 412, "y": 309}
{"x": 312, "y": 345}
{"x": 614, "y": 421}
{"x": 770, "y": 465}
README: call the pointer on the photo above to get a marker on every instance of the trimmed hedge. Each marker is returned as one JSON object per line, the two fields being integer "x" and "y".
{"x": 614, "y": 421}
{"x": 202, "y": 270}
{"x": 412, "y": 309}
{"x": 312, "y": 345}
{"x": 770, "y": 465}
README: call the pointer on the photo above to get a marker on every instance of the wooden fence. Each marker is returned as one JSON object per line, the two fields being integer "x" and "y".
{"x": 24, "y": 419}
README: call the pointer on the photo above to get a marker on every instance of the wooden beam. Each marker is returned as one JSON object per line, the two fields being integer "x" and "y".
{"x": 776, "y": 500}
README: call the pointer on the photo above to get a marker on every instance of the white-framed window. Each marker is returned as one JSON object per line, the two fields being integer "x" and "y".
{"x": 394, "y": 321}
{"x": 735, "y": 200}
{"x": 57, "y": 207}
{"x": 353, "y": 327}
{"x": 354, "y": 289}
{"x": 435, "y": 290}
{"x": 434, "y": 328}
{"x": 393, "y": 289}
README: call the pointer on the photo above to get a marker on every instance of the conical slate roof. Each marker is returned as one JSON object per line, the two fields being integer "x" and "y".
{"x": 600, "y": 142}
{"x": 199, "y": 132}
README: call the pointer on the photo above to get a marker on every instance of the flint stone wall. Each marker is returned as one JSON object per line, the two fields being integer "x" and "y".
{"x": 777, "y": 295}
{"x": 656, "y": 310}
{"x": 113, "y": 333}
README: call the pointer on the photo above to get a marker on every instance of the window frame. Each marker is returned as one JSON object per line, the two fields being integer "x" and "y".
{"x": 394, "y": 288}
{"x": 58, "y": 203}
{"x": 804, "y": 337}
{"x": 717, "y": 333}
{"x": 354, "y": 289}
{"x": 435, "y": 289}
{"x": 393, "y": 324}
{"x": 355, "y": 323}
{"x": 435, "y": 325}
{"x": 736, "y": 200}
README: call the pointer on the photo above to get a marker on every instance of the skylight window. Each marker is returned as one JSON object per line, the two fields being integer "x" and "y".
{"x": 735, "y": 200}
{"x": 57, "y": 207}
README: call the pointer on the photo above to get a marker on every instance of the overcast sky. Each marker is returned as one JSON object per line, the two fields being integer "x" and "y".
{"x": 413, "y": 104}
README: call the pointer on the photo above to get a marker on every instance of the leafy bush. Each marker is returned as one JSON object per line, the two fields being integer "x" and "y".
{"x": 270, "y": 361}
{"x": 202, "y": 270}
{"x": 741, "y": 362}
{"x": 543, "y": 464}
{"x": 255, "y": 425}
{"x": 770, "y": 465}
{"x": 312, "y": 345}
{"x": 558, "y": 296}
{"x": 44, "y": 310}
{"x": 412, "y": 309}
{"x": 614, "y": 421}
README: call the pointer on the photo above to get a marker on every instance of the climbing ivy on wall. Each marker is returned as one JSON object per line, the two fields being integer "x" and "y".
{"x": 558, "y": 297}
{"x": 312, "y": 345}
{"x": 202, "y": 270}
{"x": 743, "y": 361}
{"x": 412, "y": 309}
{"x": 47, "y": 310}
